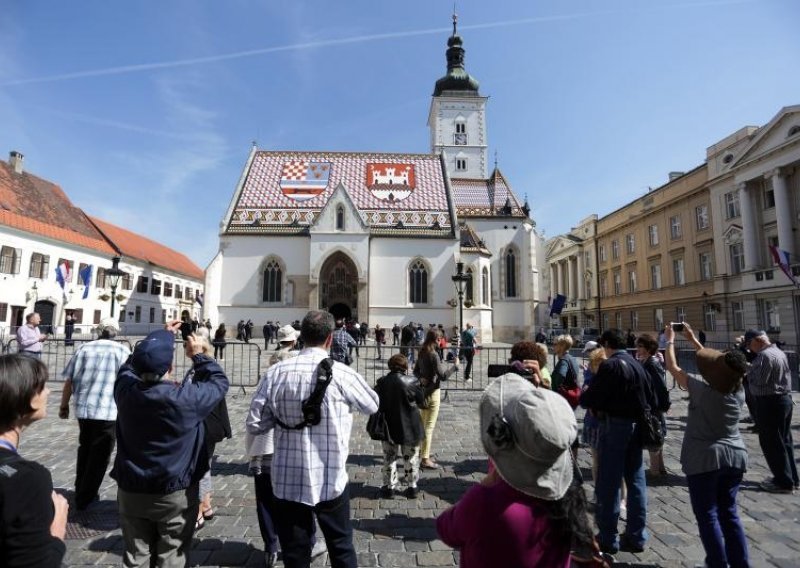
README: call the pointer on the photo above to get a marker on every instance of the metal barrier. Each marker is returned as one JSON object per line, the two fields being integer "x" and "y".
{"x": 56, "y": 353}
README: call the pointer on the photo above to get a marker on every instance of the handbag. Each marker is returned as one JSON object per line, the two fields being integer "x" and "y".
{"x": 649, "y": 426}
{"x": 377, "y": 428}
{"x": 571, "y": 394}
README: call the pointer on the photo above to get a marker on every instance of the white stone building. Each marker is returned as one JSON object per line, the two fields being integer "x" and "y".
{"x": 377, "y": 236}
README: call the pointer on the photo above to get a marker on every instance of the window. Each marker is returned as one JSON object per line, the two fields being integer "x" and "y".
{"x": 152, "y": 315}
{"x": 485, "y": 285}
{"x": 142, "y": 285}
{"x": 602, "y": 253}
{"x": 273, "y": 282}
{"x": 770, "y": 316}
{"x": 655, "y": 276}
{"x": 658, "y": 316}
{"x": 679, "y": 277}
{"x": 137, "y": 314}
{"x": 167, "y": 289}
{"x": 155, "y": 287}
{"x": 3, "y": 312}
{"x": 460, "y": 135}
{"x": 178, "y": 291}
{"x": 69, "y": 264}
{"x": 81, "y": 267}
{"x": 617, "y": 283}
{"x": 630, "y": 243}
{"x": 469, "y": 295}
{"x": 40, "y": 264}
{"x": 78, "y": 315}
{"x": 101, "y": 278}
{"x": 701, "y": 216}
{"x": 461, "y": 127}
{"x": 615, "y": 249}
{"x": 634, "y": 320}
{"x": 631, "y": 281}
{"x": 737, "y": 258}
{"x": 652, "y": 231}
{"x": 97, "y": 317}
{"x": 618, "y": 320}
{"x": 710, "y": 318}
{"x": 605, "y": 321}
{"x": 772, "y": 241}
{"x": 511, "y": 274}
{"x": 732, "y": 205}
{"x": 588, "y": 285}
{"x": 127, "y": 281}
{"x": 163, "y": 316}
{"x": 705, "y": 266}
{"x": 769, "y": 198}
{"x": 675, "y": 227}
{"x": 9, "y": 260}
{"x": 418, "y": 283}
{"x": 587, "y": 258}
{"x": 737, "y": 309}
{"x": 461, "y": 164}
{"x": 188, "y": 293}
{"x": 122, "y": 314}
{"x": 680, "y": 314}
{"x": 603, "y": 286}
{"x": 340, "y": 218}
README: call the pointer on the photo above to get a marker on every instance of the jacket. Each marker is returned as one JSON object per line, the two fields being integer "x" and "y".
{"x": 429, "y": 366}
{"x": 160, "y": 433}
{"x": 400, "y": 398}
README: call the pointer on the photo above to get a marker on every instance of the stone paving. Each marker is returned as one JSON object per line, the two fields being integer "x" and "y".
{"x": 400, "y": 532}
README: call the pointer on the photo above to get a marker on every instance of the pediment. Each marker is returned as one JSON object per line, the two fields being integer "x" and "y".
{"x": 326, "y": 221}
{"x": 783, "y": 128}
{"x": 732, "y": 235}
{"x": 561, "y": 242}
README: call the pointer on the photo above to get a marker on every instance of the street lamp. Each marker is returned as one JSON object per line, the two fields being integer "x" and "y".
{"x": 113, "y": 275}
{"x": 459, "y": 281}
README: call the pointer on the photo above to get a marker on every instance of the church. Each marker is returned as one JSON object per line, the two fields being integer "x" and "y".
{"x": 378, "y": 237}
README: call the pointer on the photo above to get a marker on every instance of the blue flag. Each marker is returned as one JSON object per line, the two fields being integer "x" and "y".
{"x": 86, "y": 277}
{"x": 558, "y": 304}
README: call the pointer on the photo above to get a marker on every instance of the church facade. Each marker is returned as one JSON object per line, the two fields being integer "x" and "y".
{"x": 377, "y": 236}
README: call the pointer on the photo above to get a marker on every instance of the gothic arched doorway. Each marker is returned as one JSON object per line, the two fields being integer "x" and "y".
{"x": 338, "y": 286}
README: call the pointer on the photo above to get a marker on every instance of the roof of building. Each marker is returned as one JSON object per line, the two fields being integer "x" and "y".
{"x": 491, "y": 197}
{"x": 56, "y": 233}
{"x": 456, "y": 81}
{"x": 285, "y": 191}
{"x": 136, "y": 246}
{"x": 471, "y": 242}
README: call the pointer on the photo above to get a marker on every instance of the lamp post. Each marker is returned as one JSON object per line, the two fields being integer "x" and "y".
{"x": 459, "y": 281}
{"x": 113, "y": 275}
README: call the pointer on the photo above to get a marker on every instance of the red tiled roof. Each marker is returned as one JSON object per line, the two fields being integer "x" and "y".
{"x": 53, "y": 232}
{"x": 136, "y": 246}
{"x": 288, "y": 190}
{"x": 485, "y": 197}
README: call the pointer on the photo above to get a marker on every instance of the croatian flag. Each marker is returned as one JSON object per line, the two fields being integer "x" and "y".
{"x": 63, "y": 274}
{"x": 781, "y": 258}
{"x": 86, "y": 277}
{"x": 302, "y": 180}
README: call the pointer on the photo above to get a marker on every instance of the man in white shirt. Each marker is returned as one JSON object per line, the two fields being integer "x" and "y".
{"x": 308, "y": 468}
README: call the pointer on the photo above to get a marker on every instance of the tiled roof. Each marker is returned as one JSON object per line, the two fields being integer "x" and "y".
{"x": 486, "y": 197}
{"x": 284, "y": 192}
{"x": 33, "y": 204}
{"x": 136, "y": 246}
{"x": 471, "y": 242}
{"x": 53, "y": 232}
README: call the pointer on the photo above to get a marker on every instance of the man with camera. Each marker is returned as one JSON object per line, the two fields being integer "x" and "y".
{"x": 770, "y": 382}
{"x": 308, "y": 467}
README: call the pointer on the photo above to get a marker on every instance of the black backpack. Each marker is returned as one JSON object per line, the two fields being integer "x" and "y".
{"x": 312, "y": 406}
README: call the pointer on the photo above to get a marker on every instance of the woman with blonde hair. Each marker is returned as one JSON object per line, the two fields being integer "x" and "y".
{"x": 566, "y": 366}
{"x": 430, "y": 370}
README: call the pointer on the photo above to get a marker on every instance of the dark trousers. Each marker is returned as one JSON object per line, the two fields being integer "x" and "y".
{"x": 713, "y": 497}
{"x": 775, "y": 436}
{"x": 468, "y": 353}
{"x": 95, "y": 444}
{"x": 296, "y": 530}
{"x": 265, "y": 505}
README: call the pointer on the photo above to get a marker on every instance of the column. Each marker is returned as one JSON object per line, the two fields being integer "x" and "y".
{"x": 581, "y": 282}
{"x": 783, "y": 212}
{"x": 553, "y": 279}
{"x": 570, "y": 291}
{"x": 751, "y": 257}
{"x": 560, "y": 271}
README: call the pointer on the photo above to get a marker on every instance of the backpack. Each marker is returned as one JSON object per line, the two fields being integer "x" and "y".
{"x": 312, "y": 406}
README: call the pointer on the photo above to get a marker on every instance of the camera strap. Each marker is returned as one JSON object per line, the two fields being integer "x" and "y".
{"x": 312, "y": 406}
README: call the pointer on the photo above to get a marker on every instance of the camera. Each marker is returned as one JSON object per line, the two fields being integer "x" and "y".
{"x": 677, "y": 326}
{"x": 496, "y": 370}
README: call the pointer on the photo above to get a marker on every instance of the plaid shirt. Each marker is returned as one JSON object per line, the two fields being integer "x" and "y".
{"x": 340, "y": 347}
{"x": 769, "y": 373}
{"x": 309, "y": 464}
{"x": 93, "y": 370}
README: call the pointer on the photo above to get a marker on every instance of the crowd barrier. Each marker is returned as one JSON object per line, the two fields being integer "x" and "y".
{"x": 56, "y": 353}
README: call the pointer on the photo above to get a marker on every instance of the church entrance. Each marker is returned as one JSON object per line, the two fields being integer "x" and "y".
{"x": 46, "y": 310}
{"x": 338, "y": 283}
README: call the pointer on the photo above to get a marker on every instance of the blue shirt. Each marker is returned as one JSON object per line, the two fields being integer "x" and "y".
{"x": 93, "y": 370}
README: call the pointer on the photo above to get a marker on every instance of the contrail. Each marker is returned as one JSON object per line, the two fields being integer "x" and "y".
{"x": 138, "y": 68}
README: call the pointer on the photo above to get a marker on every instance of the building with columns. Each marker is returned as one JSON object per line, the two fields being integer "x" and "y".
{"x": 377, "y": 236}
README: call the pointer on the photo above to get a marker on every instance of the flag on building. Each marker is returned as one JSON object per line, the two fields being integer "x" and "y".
{"x": 781, "y": 258}
{"x": 86, "y": 278}
{"x": 63, "y": 275}
{"x": 558, "y": 304}
{"x": 198, "y": 297}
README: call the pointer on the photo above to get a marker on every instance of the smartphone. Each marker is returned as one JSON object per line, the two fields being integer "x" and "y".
{"x": 677, "y": 327}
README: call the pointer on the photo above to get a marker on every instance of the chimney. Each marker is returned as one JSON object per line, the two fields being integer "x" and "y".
{"x": 675, "y": 175}
{"x": 15, "y": 160}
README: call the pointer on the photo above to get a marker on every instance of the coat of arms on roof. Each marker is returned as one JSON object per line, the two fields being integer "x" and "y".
{"x": 304, "y": 179}
{"x": 391, "y": 181}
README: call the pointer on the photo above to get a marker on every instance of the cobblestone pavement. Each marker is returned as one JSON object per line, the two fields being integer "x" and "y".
{"x": 401, "y": 532}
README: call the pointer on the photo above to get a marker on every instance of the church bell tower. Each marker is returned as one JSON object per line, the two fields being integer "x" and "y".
{"x": 457, "y": 119}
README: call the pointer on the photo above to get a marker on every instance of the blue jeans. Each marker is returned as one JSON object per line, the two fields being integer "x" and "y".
{"x": 713, "y": 497}
{"x": 620, "y": 456}
{"x": 775, "y": 437}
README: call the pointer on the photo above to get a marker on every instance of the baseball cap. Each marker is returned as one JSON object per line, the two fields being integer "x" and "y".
{"x": 590, "y": 346}
{"x": 154, "y": 353}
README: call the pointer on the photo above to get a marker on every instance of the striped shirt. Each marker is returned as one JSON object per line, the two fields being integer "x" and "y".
{"x": 28, "y": 339}
{"x": 769, "y": 373}
{"x": 340, "y": 347}
{"x": 309, "y": 464}
{"x": 93, "y": 371}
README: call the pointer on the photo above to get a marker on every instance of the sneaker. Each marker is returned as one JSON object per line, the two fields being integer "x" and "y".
{"x": 412, "y": 492}
{"x": 386, "y": 492}
{"x": 628, "y": 545}
{"x": 772, "y": 487}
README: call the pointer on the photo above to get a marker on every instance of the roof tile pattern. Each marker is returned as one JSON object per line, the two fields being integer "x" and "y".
{"x": 264, "y": 208}
{"x": 139, "y": 247}
{"x": 485, "y": 197}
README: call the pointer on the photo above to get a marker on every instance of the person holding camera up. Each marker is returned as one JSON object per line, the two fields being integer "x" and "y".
{"x": 713, "y": 454}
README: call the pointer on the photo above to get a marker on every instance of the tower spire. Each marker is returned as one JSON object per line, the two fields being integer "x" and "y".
{"x": 455, "y": 20}
{"x": 457, "y": 78}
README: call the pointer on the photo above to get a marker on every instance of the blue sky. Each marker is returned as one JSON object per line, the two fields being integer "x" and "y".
{"x": 144, "y": 112}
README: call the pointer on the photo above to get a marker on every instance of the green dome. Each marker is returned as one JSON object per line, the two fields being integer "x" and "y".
{"x": 457, "y": 78}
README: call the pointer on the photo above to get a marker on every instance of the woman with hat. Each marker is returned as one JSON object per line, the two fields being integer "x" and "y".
{"x": 527, "y": 512}
{"x": 287, "y": 337}
{"x": 713, "y": 454}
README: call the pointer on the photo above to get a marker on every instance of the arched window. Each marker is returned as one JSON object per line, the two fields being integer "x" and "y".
{"x": 469, "y": 292}
{"x": 273, "y": 282}
{"x": 340, "y": 218}
{"x": 485, "y": 286}
{"x": 418, "y": 283}
{"x": 511, "y": 274}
